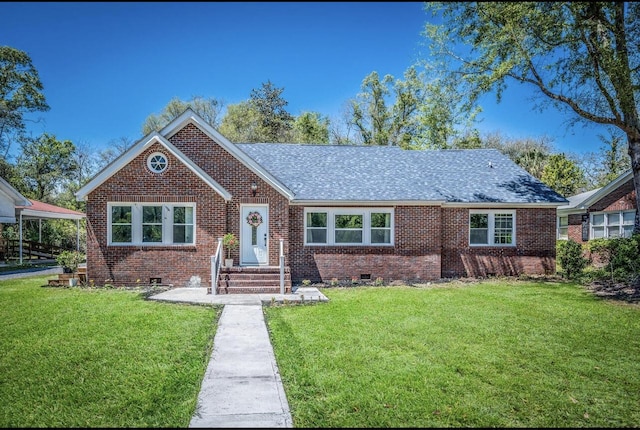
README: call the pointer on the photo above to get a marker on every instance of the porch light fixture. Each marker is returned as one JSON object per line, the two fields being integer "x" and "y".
{"x": 254, "y": 188}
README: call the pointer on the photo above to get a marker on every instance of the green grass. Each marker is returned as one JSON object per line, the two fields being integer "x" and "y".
{"x": 493, "y": 354}
{"x": 73, "y": 357}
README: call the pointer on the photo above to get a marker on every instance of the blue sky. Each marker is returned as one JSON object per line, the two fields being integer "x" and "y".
{"x": 106, "y": 66}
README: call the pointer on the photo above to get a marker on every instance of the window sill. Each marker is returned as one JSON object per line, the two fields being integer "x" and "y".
{"x": 475, "y": 245}
{"x": 152, "y": 246}
{"x": 342, "y": 245}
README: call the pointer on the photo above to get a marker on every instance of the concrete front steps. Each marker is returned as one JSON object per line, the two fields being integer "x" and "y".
{"x": 253, "y": 280}
{"x": 63, "y": 278}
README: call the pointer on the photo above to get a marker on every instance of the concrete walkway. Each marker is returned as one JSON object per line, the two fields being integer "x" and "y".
{"x": 242, "y": 385}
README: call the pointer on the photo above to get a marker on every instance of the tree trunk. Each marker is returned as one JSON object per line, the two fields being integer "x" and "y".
{"x": 634, "y": 152}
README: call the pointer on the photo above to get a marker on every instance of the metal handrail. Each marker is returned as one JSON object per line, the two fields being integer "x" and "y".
{"x": 281, "y": 266}
{"x": 216, "y": 263}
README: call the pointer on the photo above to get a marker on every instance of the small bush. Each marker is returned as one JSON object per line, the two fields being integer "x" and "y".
{"x": 570, "y": 257}
{"x": 70, "y": 260}
{"x": 621, "y": 256}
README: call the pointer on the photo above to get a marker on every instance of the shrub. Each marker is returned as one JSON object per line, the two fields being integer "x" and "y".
{"x": 230, "y": 242}
{"x": 570, "y": 257}
{"x": 621, "y": 256}
{"x": 70, "y": 260}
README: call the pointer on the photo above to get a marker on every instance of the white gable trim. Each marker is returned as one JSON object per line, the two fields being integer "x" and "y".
{"x": 611, "y": 186}
{"x": 590, "y": 199}
{"x": 13, "y": 194}
{"x": 189, "y": 116}
{"x": 136, "y": 150}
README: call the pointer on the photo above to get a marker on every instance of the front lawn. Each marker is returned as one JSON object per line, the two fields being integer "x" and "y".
{"x": 74, "y": 357}
{"x": 491, "y": 354}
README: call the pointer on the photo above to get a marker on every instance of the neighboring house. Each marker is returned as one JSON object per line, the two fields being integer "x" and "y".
{"x": 9, "y": 199}
{"x": 15, "y": 208}
{"x": 157, "y": 211}
{"x": 601, "y": 213}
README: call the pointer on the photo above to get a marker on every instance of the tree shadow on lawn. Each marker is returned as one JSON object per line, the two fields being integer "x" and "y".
{"x": 622, "y": 291}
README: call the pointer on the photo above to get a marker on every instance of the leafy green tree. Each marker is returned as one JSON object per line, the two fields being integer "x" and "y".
{"x": 370, "y": 113}
{"x": 311, "y": 127}
{"x": 610, "y": 162}
{"x": 563, "y": 175}
{"x": 20, "y": 94}
{"x": 276, "y": 122}
{"x": 87, "y": 162}
{"x": 209, "y": 109}
{"x": 46, "y": 165}
{"x": 243, "y": 124}
{"x": 421, "y": 111}
{"x": 529, "y": 153}
{"x": 582, "y": 58}
{"x": 445, "y": 118}
{"x": 409, "y": 96}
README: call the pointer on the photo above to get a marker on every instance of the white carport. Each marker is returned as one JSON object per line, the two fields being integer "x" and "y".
{"x": 39, "y": 211}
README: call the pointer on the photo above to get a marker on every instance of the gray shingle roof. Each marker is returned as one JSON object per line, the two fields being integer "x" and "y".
{"x": 376, "y": 173}
{"x": 577, "y": 199}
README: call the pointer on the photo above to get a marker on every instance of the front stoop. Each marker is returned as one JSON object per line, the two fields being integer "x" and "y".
{"x": 63, "y": 278}
{"x": 253, "y": 280}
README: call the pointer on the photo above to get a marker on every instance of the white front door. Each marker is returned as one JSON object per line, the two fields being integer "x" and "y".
{"x": 254, "y": 235}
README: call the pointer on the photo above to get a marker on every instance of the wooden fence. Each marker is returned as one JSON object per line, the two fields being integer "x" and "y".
{"x": 10, "y": 250}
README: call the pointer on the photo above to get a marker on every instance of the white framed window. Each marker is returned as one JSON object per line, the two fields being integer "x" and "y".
{"x": 151, "y": 223}
{"x": 348, "y": 226}
{"x": 492, "y": 228}
{"x": 563, "y": 227}
{"x": 157, "y": 162}
{"x": 612, "y": 224}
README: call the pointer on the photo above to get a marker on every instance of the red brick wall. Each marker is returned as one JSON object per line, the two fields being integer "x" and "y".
{"x": 236, "y": 178}
{"x": 622, "y": 198}
{"x": 574, "y": 227}
{"x": 534, "y": 252}
{"x": 123, "y": 265}
{"x": 415, "y": 256}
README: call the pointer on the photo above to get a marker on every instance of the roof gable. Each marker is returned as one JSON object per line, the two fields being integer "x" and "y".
{"x": 12, "y": 194}
{"x": 589, "y": 198}
{"x": 190, "y": 117}
{"x": 136, "y": 150}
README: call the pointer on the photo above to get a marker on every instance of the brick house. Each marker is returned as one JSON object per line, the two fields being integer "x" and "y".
{"x": 335, "y": 211}
{"x": 601, "y": 213}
